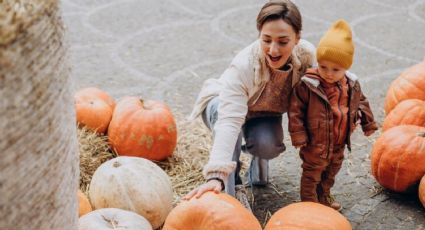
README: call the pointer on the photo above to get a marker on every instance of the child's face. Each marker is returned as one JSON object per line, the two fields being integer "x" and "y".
{"x": 278, "y": 39}
{"x": 331, "y": 72}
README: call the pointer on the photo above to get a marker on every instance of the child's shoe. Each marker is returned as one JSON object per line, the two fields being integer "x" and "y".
{"x": 330, "y": 201}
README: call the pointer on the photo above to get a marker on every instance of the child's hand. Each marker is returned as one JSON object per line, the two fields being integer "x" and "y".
{"x": 368, "y": 133}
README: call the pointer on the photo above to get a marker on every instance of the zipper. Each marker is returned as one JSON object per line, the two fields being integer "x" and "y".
{"x": 340, "y": 111}
{"x": 328, "y": 139}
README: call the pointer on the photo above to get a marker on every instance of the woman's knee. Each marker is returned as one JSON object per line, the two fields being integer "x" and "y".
{"x": 265, "y": 148}
{"x": 209, "y": 115}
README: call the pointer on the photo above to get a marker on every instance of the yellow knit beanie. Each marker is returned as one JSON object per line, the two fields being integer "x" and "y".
{"x": 337, "y": 45}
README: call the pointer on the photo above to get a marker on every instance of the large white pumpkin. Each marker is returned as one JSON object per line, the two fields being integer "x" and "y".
{"x": 134, "y": 184}
{"x": 113, "y": 218}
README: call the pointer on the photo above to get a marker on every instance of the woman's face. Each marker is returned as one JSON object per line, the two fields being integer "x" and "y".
{"x": 278, "y": 38}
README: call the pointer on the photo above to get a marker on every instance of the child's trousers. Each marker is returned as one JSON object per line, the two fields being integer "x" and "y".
{"x": 319, "y": 172}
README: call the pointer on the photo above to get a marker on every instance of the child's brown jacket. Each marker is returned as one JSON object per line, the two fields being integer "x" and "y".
{"x": 311, "y": 119}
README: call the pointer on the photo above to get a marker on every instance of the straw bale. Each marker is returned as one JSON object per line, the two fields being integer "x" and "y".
{"x": 39, "y": 165}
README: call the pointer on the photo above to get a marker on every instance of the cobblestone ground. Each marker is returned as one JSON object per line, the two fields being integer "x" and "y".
{"x": 165, "y": 49}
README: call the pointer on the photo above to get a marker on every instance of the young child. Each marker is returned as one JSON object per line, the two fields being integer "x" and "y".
{"x": 324, "y": 109}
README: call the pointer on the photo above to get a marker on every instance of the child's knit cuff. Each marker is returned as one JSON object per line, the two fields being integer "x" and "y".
{"x": 299, "y": 138}
{"x": 369, "y": 127}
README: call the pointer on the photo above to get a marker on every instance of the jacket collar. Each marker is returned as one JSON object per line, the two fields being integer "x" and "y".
{"x": 352, "y": 79}
{"x": 312, "y": 81}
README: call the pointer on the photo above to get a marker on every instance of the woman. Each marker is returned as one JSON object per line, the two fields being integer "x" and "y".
{"x": 249, "y": 98}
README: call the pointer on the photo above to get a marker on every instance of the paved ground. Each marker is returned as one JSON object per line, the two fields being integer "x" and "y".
{"x": 165, "y": 49}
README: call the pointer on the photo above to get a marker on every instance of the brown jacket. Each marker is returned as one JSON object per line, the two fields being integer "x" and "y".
{"x": 311, "y": 119}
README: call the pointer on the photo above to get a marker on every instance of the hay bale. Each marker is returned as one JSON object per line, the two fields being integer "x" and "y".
{"x": 39, "y": 165}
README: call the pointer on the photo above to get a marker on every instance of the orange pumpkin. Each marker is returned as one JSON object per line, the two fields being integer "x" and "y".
{"x": 307, "y": 215}
{"x": 94, "y": 109}
{"x": 84, "y": 204}
{"x": 93, "y": 92}
{"x": 409, "y": 85}
{"x": 142, "y": 128}
{"x": 422, "y": 191}
{"x": 407, "y": 112}
{"x": 209, "y": 212}
{"x": 398, "y": 157}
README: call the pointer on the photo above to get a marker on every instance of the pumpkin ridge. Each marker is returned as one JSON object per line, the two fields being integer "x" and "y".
{"x": 407, "y": 81}
{"x": 120, "y": 182}
{"x": 396, "y": 172}
{"x": 405, "y": 153}
{"x": 379, "y": 171}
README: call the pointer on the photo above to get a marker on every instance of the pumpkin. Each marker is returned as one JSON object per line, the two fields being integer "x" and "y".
{"x": 133, "y": 184}
{"x": 398, "y": 157}
{"x": 113, "y": 218}
{"x": 409, "y": 85}
{"x": 142, "y": 128}
{"x": 407, "y": 112}
{"x": 84, "y": 204}
{"x": 209, "y": 212}
{"x": 94, "y": 109}
{"x": 422, "y": 191}
{"x": 307, "y": 215}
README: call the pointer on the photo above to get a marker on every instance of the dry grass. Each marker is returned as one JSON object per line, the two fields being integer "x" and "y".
{"x": 94, "y": 150}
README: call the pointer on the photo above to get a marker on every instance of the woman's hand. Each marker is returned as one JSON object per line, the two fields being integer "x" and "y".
{"x": 212, "y": 185}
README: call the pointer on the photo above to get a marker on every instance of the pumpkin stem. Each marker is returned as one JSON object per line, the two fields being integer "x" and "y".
{"x": 421, "y": 134}
{"x": 116, "y": 164}
{"x": 112, "y": 222}
{"x": 144, "y": 105}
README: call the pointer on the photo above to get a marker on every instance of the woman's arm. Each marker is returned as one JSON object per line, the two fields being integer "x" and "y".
{"x": 232, "y": 110}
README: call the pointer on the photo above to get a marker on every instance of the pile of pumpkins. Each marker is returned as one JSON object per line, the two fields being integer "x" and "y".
{"x": 398, "y": 155}
{"x": 134, "y": 127}
{"x": 132, "y": 192}
{"x": 128, "y": 191}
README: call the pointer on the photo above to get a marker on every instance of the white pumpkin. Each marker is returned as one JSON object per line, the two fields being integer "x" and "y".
{"x": 113, "y": 218}
{"x": 134, "y": 184}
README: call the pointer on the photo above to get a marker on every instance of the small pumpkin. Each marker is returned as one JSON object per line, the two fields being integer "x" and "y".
{"x": 209, "y": 212}
{"x": 113, "y": 218}
{"x": 84, "y": 204}
{"x": 422, "y": 191}
{"x": 409, "y": 85}
{"x": 398, "y": 157}
{"x": 142, "y": 128}
{"x": 407, "y": 112}
{"x": 307, "y": 215}
{"x": 94, "y": 109}
{"x": 134, "y": 184}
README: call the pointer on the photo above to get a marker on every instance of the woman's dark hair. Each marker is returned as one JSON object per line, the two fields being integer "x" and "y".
{"x": 280, "y": 9}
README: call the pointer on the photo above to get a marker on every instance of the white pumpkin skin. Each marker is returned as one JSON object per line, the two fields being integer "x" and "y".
{"x": 113, "y": 218}
{"x": 134, "y": 184}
